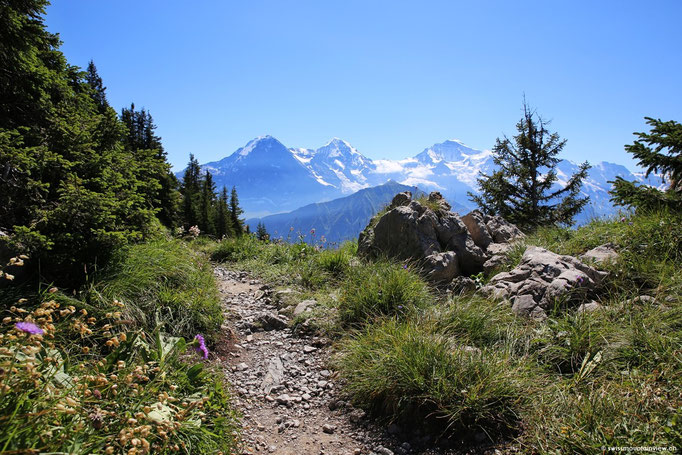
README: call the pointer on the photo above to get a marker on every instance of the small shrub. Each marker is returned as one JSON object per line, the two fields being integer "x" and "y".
{"x": 381, "y": 288}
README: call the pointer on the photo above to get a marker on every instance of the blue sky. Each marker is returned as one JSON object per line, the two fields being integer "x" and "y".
{"x": 391, "y": 77}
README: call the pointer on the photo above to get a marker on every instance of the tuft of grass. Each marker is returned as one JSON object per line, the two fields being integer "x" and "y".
{"x": 163, "y": 282}
{"x": 424, "y": 200}
{"x": 381, "y": 289}
{"x": 336, "y": 262}
{"x": 404, "y": 371}
{"x": 475, "y": 321}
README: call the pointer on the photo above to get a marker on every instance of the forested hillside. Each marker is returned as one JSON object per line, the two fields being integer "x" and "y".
{"x": 101, "y": 307}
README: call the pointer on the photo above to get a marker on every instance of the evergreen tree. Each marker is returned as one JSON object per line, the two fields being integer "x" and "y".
{"x": 235, "y": 213}
{"x": 190, "y": 193}
{"x": 261, "y": 232}
{"x": 522, "y": 189}
{"x": 659, "y": 151}
{"x": 207, "y": 205}
{"x": 161, "y": 186}
{"x": 223, "y": 216}
{"x": 99, "y": 90}
{"x": 71, "y": 191}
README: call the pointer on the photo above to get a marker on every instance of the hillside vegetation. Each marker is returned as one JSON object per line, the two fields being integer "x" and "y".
{"x": 466, "y": 368}
{"x": 102, "y": 311}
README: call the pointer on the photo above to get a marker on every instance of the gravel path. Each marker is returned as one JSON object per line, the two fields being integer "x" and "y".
{"x": 287, "y": 395}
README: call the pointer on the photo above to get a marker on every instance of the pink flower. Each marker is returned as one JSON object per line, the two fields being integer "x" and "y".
{"x": 29, "y": 327}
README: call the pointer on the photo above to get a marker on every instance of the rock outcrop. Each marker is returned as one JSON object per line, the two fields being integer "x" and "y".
{"x": 443, "y": 243}
{"x": 601, "y": 254}
{"x": 542, "y": 279}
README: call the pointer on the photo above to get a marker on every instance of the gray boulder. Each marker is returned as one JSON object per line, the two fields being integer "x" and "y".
{"x": 304, "y": 306}
{"x": 501, "y": 230}
{"x": 475, "y": 223}
{"x": 601, "y": 254}
{"x": 438, "y": 240}
{"x": 543, "y": 278}
{"x": 442, "y": 267}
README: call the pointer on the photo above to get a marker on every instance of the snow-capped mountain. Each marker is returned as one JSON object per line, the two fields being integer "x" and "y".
{"x": 337, "y": 163}
{"x": 271, "y": 178}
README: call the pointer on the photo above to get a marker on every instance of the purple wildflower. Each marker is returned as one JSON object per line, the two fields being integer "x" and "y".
{"x": 580, "y": 280}
{"x": 622, "y": 220}
{"x": 29, "y": 327}
{"x": 405, "y": 266}
{"x": 201, "y": 348}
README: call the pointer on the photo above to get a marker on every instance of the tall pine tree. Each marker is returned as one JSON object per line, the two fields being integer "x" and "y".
{"x": 190, "y": 187}
{"x": 223, "y": 216}
{"x": 235, "y": 213}
{"x": 207, "y": 203}
{"x": 523, "y": 189}
{"x": 160, "y": 185}
{"x": 659, "y": 151}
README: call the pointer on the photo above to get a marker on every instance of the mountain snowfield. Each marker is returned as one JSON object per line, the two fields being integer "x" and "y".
{"x": 272, "y": 178}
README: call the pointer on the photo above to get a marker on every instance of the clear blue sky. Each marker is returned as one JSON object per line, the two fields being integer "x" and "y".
{"x": 391, "y": 77}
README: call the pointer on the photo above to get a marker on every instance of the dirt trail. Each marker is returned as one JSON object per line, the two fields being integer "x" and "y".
{"x": 283, "y": 387}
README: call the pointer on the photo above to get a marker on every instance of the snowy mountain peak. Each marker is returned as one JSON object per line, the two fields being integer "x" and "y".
{"x": 337, "y": 147}
{"x": 452, "y": 150}
{"x": 261, "y": 143}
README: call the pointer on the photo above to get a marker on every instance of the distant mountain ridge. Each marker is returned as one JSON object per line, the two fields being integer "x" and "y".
{"x": 335, "y": 221}
{"x": 272, "y": 178}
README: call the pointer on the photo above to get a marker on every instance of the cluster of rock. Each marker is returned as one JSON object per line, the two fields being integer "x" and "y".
{"x": 449, "y": 248}
{"x": 543, "y": 279}
{"x": 444, "y": 244}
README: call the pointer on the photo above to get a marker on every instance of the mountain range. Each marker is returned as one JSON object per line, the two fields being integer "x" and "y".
{"x": 272, "y": 179}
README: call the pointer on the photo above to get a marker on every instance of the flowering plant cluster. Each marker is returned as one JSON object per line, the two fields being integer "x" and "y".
{"x": 75, "y": 379}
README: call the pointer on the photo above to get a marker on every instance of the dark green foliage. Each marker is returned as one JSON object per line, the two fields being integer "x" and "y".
{"x": 658, "y": 151}
{"x": 190, "y": 193}
{"x": 161, "y": 185}
{"x": 236, "y": 213}
{"x": 202, "y": 207}
{"x": 207, "y": 205}
{"x": 72, "y": 190}
{"x": 523, "y": 190}
{"x": 99, "y": 90}
{"x": 261, "y": 232}
{"x": 223, "y": 216}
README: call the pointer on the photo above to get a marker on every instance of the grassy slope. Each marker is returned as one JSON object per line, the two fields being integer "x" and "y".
{"x": 571, "y": 384}
{"x": 110, "y": 375}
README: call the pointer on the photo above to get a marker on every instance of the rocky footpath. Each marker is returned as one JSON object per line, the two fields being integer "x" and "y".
{"x": 289, "y": 397}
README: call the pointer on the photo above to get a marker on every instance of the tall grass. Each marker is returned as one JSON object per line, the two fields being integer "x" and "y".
{"x": 163, "y": 282}
{"x": 405, "y": 371}
{"x": 381, "y": 289}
